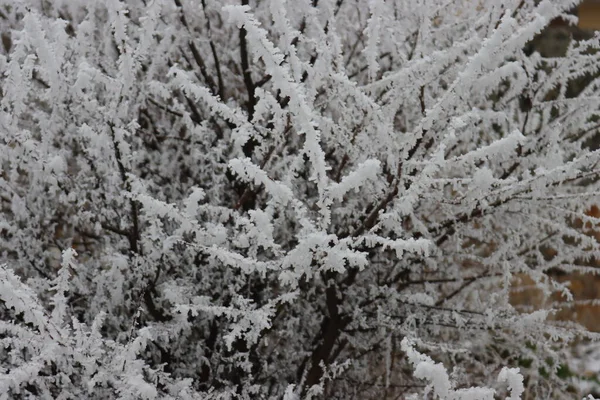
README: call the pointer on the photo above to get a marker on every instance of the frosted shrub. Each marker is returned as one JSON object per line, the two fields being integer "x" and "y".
{"x": 295, "y": 200}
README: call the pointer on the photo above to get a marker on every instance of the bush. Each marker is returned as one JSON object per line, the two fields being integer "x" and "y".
{"x": 286, "y": 199}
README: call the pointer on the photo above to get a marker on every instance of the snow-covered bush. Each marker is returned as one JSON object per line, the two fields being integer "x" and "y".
{"x": 289, "y": 199}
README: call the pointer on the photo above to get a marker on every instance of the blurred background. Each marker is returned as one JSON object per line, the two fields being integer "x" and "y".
{"x": 585, "y": 309}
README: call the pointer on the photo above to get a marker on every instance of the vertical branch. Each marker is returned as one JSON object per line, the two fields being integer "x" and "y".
{"x": 248, "y": 82}
{"x": 330, "y": 332}
{"x": 213, "y": 49}
{"x": 134, "y": 232}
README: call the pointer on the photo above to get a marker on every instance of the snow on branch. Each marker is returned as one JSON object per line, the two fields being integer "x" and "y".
{"x": 267, "y": 199}
{"x": 440, "y": 383}
{"x": 265, "y": 50}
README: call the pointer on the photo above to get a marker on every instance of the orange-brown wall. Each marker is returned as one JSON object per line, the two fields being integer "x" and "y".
{"x": 589, "y": 14}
